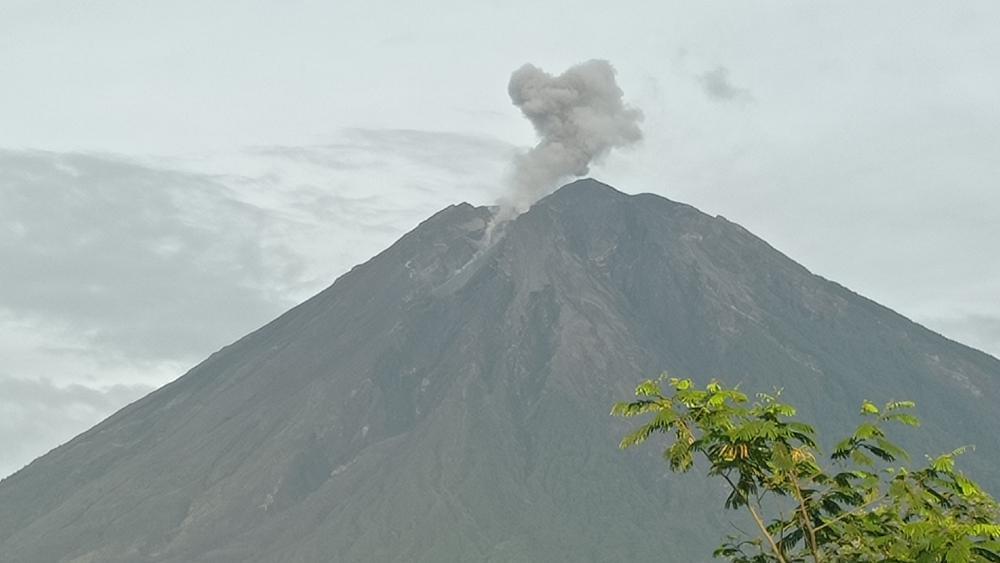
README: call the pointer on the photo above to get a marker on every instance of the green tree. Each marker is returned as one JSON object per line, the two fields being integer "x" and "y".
{"x": 864, "y": 509}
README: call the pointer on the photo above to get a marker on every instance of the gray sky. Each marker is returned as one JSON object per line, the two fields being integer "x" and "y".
{"x": 175, "y": 174}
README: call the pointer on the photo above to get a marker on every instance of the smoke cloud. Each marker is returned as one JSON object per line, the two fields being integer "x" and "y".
{"x": 579, "y": 117}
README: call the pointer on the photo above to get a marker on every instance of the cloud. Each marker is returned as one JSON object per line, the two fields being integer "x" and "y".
{"x": 42, "y": 393}
{"x": 717, "y": 86}
{"x": 168, "y": 259}
{"x": 368, "y": 149}
{"x": 120, "y": 273}
{"x": 36, "y": 415}
{"x": 130, "y": 258}
{"x": 351, "y": 197}
{"x": 458, "y": 153}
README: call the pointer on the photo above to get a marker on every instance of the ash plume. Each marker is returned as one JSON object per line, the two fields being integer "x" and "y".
{"x": 579, "y": 117}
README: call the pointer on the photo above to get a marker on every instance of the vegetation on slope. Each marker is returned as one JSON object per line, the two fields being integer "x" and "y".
{"x": 865, "y": 508}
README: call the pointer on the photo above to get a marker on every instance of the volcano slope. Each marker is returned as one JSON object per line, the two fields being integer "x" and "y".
{"x": 448, "y": 401}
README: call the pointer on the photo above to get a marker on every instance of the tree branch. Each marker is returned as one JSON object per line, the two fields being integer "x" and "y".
{"x": 757, "y": 519}
{"x": 850, "y": 513}
{"x": 806, "y": 520}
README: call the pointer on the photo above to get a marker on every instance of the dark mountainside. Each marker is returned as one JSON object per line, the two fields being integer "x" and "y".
{"x": 442, "y": 404}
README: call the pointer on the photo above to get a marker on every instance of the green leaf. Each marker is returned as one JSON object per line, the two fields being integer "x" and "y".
{"x": 892, "y": 449}
{"x": 903, "y": 418}
{"x": 679, "y": 456}
{"x": 843, "y": 448}
{"x": 867, "y": 431}
{"x": 648, "y": 388}
{"x": 680, "y": 384}
{"x": 716, "y": 400}
{"x": 986, "y": 530}
{"x": 944, "y": 463}
{"x": 782, "y": 457}
{"x": 959, "y": 553}
{"x": 861, "y": 459}
{"x": 636, "y": 408}
{"x": 966, "y": 486}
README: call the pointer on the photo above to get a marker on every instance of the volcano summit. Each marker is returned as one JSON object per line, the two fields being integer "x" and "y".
{"x": 447, "y": 401}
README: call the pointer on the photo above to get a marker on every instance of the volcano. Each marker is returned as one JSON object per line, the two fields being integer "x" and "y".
{"x": 448, "y": 400}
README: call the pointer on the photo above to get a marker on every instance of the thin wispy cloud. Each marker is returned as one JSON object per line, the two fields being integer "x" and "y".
{"x": 718, "y": 86}
{"x": 120, "y": 272}
{"x": 125, "y": 256}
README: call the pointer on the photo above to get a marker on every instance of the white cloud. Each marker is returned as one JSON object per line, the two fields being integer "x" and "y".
{"x": 38, "y": 415}
{"x": 126, "y": 272}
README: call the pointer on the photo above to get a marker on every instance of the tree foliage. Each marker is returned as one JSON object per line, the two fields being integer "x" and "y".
{"x": 860, "y": 506}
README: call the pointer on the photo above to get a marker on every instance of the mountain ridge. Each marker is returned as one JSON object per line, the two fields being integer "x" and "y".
{"x": 447, "y": 400}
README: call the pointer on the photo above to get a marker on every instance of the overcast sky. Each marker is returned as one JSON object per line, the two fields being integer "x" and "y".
{"x": 175, "y": 174}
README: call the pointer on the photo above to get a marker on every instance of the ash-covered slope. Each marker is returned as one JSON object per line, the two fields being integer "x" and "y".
{"x": 447, "y": 401}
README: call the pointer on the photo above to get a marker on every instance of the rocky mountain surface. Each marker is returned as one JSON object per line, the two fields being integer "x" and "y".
{"x": 448, "y": 401}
